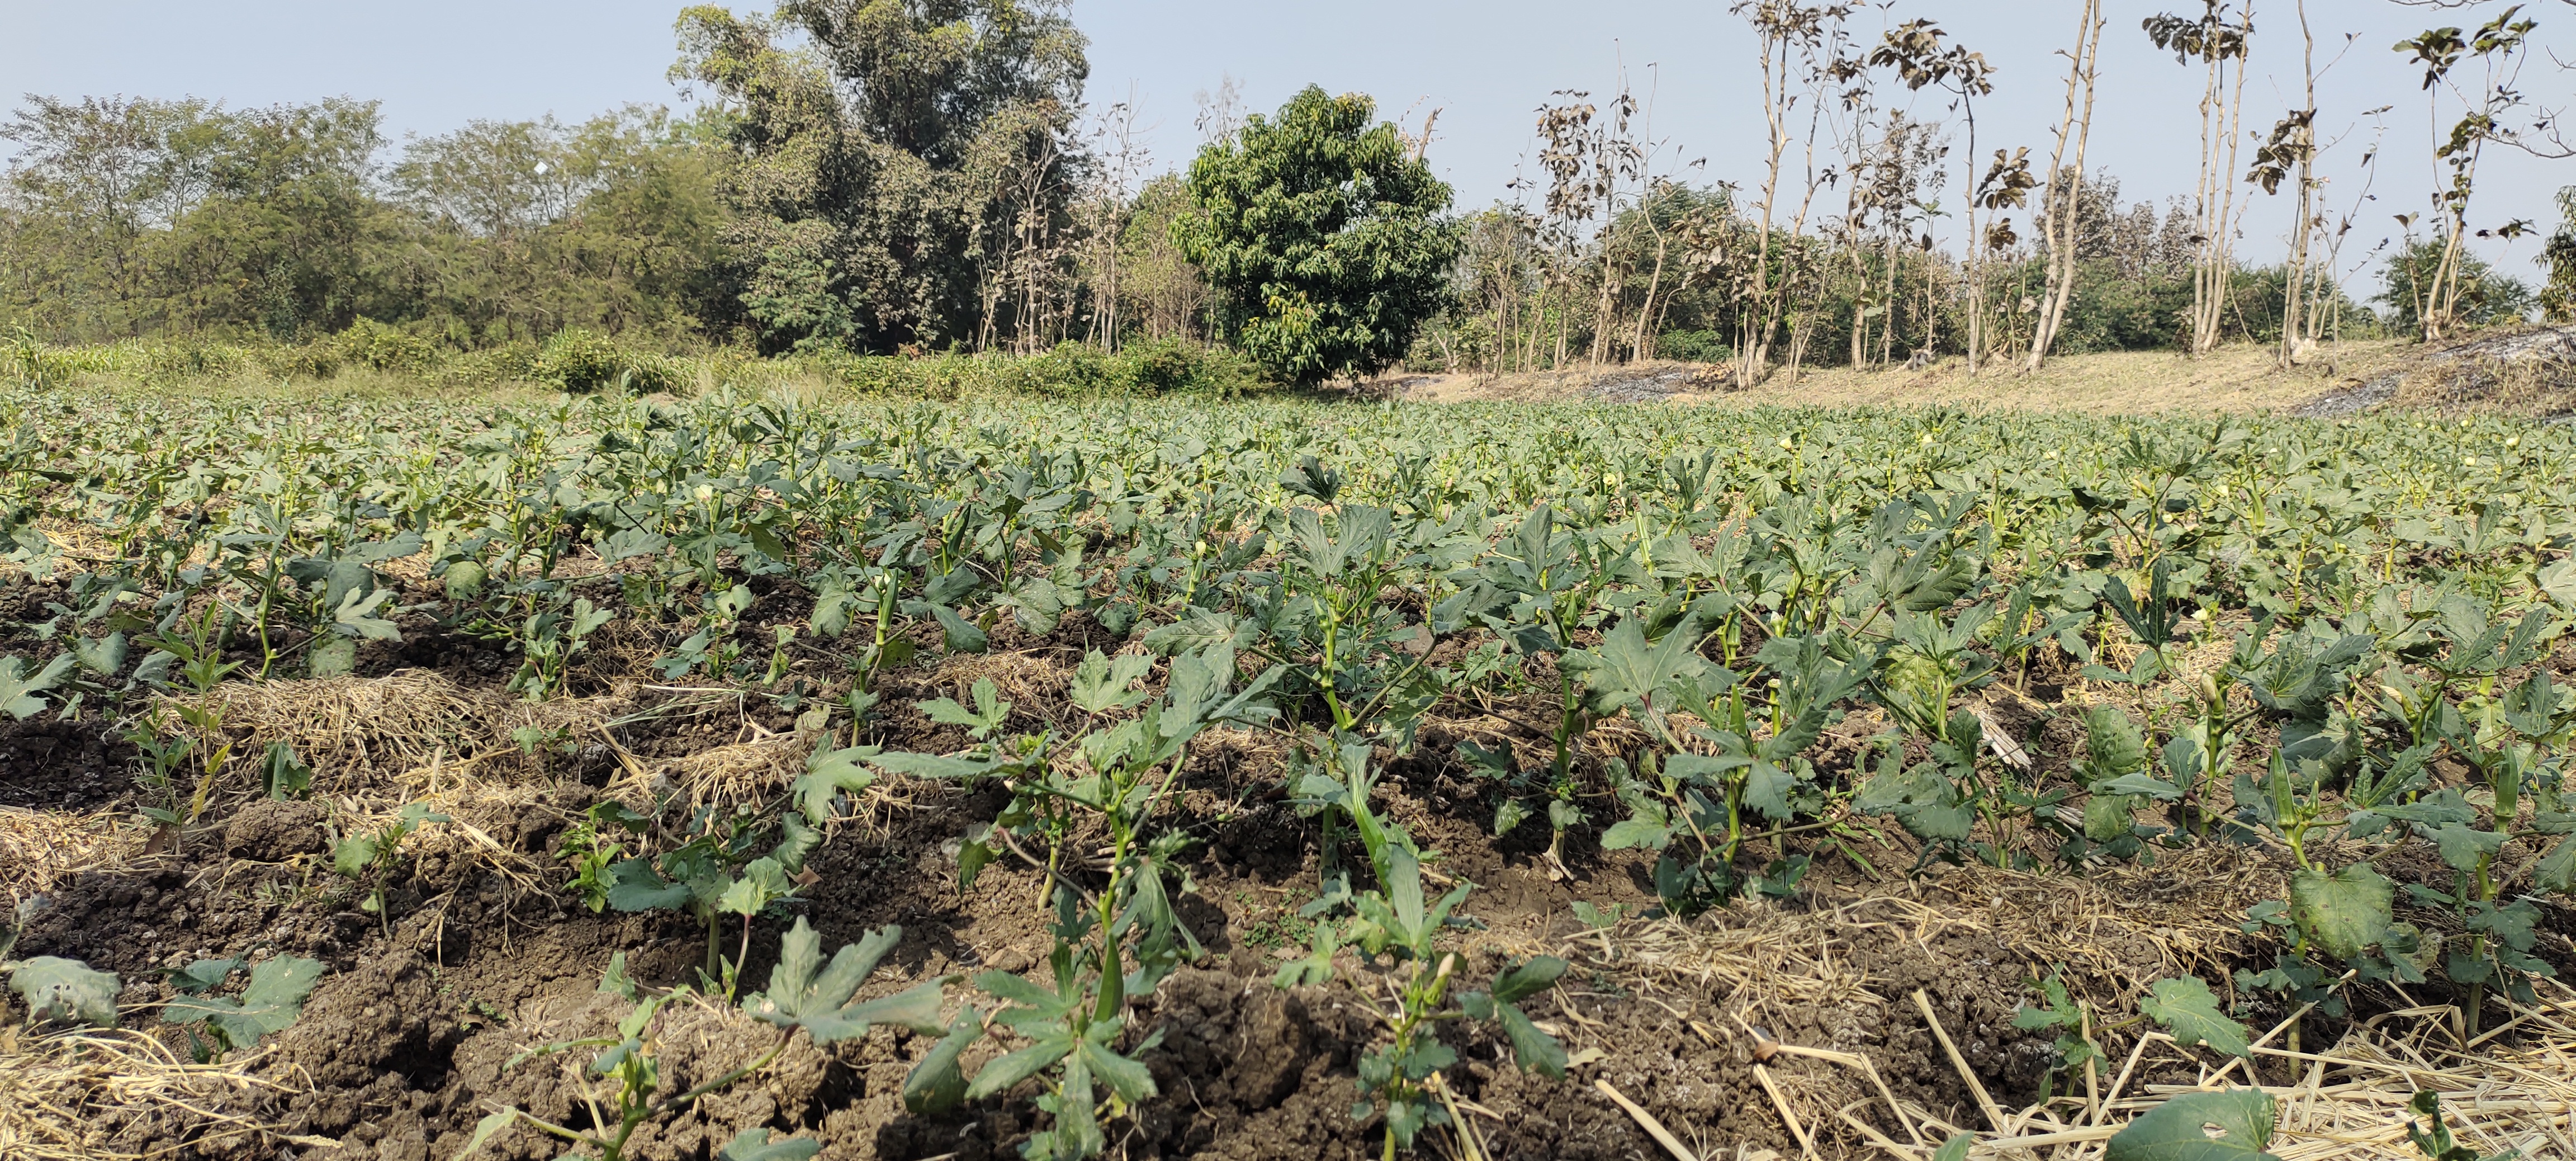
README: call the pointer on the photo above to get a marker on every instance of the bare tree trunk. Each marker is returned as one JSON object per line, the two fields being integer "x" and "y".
{"x": 1755, "y": 327}
{"x": 2221, "y": 114}
{"x": 2065, "y": 188}
{"x": 1975, "y": 268}
{"x": 2295, "y": 277}
{"x": 2223, "y": 265}
{"x": 1887, "y": 333}
{"x": 1638, "y": 347}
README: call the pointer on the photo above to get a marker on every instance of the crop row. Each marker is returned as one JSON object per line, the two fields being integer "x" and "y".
{"x": 2333, "y": 639}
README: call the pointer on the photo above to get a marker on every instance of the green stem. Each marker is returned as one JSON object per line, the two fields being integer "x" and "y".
{"x": 715, "y": 947}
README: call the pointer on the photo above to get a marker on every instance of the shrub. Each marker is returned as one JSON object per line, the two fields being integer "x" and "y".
{"x": 580, "y": 360}
{"x": 379, "y": 347}
{"x": 1071, "y": 370}
{"x": 1694, "y": 347}
{"x": 486, "y": 368}
{"x": 307, "y": 361}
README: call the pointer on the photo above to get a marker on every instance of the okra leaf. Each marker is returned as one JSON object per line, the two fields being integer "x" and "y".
{"x": 916, "y": 1008}
{"x": 829, "y": 774}
{"x": 1766, "y": 789}
{"x": 273, "y": 1000}
{"x": 763, "y": 882}
{"x": 2557, "y": 870}
{"x": 800, "y": 996}
{"x": 1127, "y": 1077}
{"x": 2112, "y": 743}
{"x": 1522, "y": 981}
{"x": 1638, "y": 830}
{"x": 1627, "y": 670}
{"x": 2140, "y": 785}
{"x": 1012, "y": 1068}
{"x": 19, "y": 689}
{"x": 1536, "y": 1051}
{"x": 2346, "y": 913}
{"x": 489, "y": 1127}
{"x": 935, "y": 1085}
{"x": 2187, "y": 1009}
{"x": 66, "y": 990}
{"x": 203, "y": 976}
{"x": 755, "y": 1145}
{"x": 2463, "y": 848}
{"x": 1003, "y": 985}
{"x": 960, "y": 635}
{"x": 1100, "y": 683}
{"x": 633, "y": 885}
{"x": 989, "y": 712}
{"x": 2178, "y": 1130}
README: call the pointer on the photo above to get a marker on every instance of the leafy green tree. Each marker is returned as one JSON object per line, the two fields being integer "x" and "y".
{"x": 283, "y": 240}
{"x": 2558, "y": 256}
{"x": 518, "y": 228}
{"x": 89, "y": 183}
{"x": 2485, "y": 296}
{"x": 1325, "y": 235}
{"x": 134, "y": 217}
{"x": 893, "y": 180}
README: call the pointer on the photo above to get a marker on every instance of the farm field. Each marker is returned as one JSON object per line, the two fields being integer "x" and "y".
{"x": 758, "y": 774}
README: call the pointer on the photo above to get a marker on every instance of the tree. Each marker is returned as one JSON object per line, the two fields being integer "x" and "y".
{"x": 2066, "y": 181}
{"x": 140, "y": 216}
{"x": 2216, "y": 43}
{"x": 1158, "y": 288}
{"x": 1917, "y": 52}
{"x": 2497, "y": 46}
{"x": 2558, "y": 256}
{"x": 2291, "y": 151}
{"x": 286, "y": 236}
{"x": 1811, "y": 36}
{"x": 899, "y": 180}
{"x": 2474, "y": 294}
{"x": 89, "y": 182}
{"x": 1324, "y": 235}
{"x": 520, "y": 228}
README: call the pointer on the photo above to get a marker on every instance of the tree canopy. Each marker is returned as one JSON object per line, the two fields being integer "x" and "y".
{"x": 1324, "y": 233}
{"x": 890, "y": 175}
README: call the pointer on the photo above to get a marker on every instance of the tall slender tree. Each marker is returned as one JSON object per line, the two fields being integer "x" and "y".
{"x": 2066, "y": 182}
{"x": 1921, "y": 56}
{"x": 2221, "y": 39}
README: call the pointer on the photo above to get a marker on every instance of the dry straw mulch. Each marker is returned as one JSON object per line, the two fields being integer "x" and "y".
{"x": 92, "y": 1095}
{"x": 41, "y": 848}
{"x": 372, "y": 732}
{"x": 2351, "y": 1101}
{"x": 2511, "y": 1087}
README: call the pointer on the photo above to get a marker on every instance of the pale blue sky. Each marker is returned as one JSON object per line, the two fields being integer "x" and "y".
{"x": 1487, "y": 64}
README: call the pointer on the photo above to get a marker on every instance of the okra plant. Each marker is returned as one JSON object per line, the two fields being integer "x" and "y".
{"x": 724, "y": 870}
{"x": 623, "y": 1081}
{"x": 1395, "y": 917}
{"x": 369, "y": 857}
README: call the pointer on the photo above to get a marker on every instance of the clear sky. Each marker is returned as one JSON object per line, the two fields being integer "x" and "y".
{"x": 1487, "y": 64}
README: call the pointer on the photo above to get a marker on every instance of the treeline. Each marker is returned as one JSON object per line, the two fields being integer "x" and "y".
{"x": 1864, "y": 302}
{"x": 887, "y": 184}
{"x": 868, "y": 179}
{"x": 132, "y": 218}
